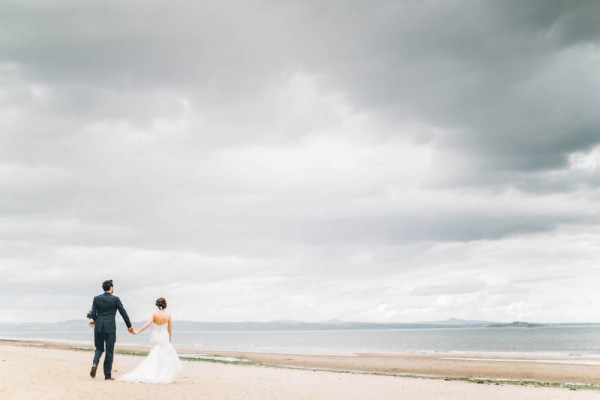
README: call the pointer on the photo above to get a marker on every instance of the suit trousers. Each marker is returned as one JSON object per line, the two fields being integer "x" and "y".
{"x": 100, "y": 338}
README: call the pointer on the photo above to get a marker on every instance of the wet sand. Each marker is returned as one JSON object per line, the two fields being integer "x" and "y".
{"x": 58, "y": 371}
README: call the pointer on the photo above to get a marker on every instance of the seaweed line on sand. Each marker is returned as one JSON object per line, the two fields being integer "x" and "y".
{"x": 477, "y": 380}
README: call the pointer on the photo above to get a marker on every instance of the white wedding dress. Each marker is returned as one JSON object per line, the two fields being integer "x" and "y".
{"x": 162, "y": 365}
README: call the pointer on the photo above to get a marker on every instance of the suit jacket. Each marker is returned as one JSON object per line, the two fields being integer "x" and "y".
{"x": 104, "y": 309}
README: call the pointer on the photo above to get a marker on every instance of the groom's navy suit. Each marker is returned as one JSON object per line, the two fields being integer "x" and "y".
{"x": 104, "y": 309}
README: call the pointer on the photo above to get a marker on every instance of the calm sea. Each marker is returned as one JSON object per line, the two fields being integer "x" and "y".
{"x": 539, "y": 340}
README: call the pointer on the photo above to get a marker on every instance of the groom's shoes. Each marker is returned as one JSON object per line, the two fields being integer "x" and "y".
{"x": 109, "y": 379}
{"x": 93, "y": 371}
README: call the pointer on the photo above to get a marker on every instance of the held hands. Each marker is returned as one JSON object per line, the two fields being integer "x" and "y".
{"x": 130, "y": 329}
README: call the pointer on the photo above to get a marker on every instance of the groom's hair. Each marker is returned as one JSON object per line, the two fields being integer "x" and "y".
{"x": 106, "y": 285}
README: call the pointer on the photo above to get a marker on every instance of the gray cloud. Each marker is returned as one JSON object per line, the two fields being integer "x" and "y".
{"x": 481, "y": 74}
{"x": 302, "y": 154}
{"x": 513, "y": 86}
{"x": 460, "y": 287}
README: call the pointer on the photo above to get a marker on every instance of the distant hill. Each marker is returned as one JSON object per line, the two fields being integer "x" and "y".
{"x": 460, "y": 322}
{"x": 325, "y": 325}
{"x": 82, "y": 325}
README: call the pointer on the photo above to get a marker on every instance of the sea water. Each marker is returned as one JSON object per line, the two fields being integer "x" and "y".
{"x": 576, "y": 340}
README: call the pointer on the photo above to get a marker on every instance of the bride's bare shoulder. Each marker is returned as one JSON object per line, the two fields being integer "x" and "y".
{"x": 160, "y": 317}
{"x": 155, "y": 316}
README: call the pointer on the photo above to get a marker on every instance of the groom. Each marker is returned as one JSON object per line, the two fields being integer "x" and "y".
{"x": 104, "y": 309}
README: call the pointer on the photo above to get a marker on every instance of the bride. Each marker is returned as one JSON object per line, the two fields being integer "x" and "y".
{"x": 162, "y": 364}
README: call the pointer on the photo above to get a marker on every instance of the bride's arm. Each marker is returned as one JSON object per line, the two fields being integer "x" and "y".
{"x": 170, "y": 327}
{"x": 146, "y": 325}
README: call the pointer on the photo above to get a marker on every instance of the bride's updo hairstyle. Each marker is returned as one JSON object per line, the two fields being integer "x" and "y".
{"x": 161, "y": 303}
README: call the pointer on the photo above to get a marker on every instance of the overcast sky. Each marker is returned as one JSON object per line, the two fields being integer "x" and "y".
{"x": 389, "y": 161}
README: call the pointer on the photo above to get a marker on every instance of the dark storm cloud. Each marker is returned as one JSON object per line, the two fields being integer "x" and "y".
{"x": 515, "y": 85}
{"x": 511, "y": 86}
{"x": 395, "y": 230}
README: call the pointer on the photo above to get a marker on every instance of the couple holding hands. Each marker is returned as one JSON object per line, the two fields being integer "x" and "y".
{"x": 162, "y": 364}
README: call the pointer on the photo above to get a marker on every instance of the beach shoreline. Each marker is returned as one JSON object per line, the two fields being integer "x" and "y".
{"x": 519, "y": 369}
{"x": 44, "y": 370}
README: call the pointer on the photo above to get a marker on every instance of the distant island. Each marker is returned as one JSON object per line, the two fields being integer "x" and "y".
{"x": 516, "y": 324}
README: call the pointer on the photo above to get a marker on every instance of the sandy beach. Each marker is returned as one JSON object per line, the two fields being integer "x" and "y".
{"x": 56, "y": 371}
